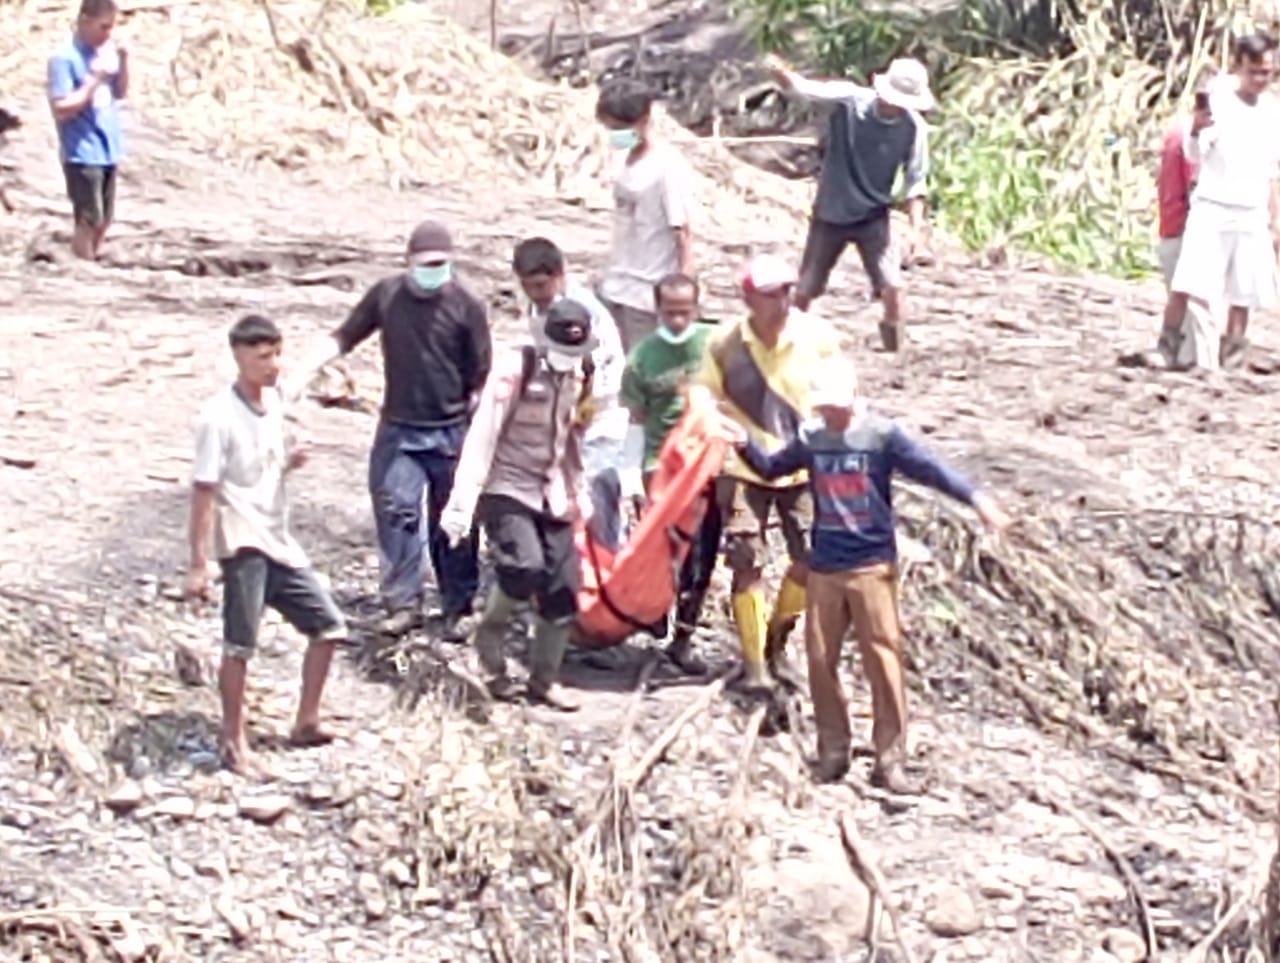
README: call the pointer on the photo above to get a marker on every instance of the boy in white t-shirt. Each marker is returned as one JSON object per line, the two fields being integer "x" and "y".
{"x": 653, "y": 208}
{"x": 238, "y": 496}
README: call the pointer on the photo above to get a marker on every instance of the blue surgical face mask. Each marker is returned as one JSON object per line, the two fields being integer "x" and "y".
{"x": 627, "y": 139}
{"x": 670, "y": 337}
{"x": 431, "y": 277}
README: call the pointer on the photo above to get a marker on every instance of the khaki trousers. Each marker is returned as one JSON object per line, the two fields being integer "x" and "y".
{"x": 865, "y": 600}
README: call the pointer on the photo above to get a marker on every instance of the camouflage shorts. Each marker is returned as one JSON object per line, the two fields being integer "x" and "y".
{"x": 746, "y": 509}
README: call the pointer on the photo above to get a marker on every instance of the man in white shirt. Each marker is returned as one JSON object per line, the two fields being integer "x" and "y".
{"x": 540, "y": 267}
{"x": 653, "y": 210}
{"x": 238, "y": 496}
{"x": 1232, "y": 225}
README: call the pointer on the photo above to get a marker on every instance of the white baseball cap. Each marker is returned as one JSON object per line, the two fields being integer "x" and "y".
{"x": 835, "y": 385}
{"x": 766, "y": 272}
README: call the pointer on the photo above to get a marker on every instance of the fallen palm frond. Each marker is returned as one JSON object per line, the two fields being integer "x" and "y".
{"x": 1113, "y": 626}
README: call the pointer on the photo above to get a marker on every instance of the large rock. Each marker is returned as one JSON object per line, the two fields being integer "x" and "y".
{"x": 810, "y": 904}
{"x": 953, "y": 914}
{"x": 1125, "y": 945}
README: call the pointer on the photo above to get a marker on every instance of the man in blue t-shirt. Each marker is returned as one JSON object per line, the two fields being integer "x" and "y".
{"x": 851, "y": 455}
{"x": 87, "y": 77}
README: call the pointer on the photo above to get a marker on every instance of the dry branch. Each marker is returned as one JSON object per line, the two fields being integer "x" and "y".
{"x": 1117, "y": 858}
{"x": 871, "y": 877}
{"x": 1271, "y": 905}
{"x": 1200, "y": 952}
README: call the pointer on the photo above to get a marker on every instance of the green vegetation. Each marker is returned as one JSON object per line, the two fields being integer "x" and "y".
{"x": 380, "y": 7}
{"x": 1050, "y": 111}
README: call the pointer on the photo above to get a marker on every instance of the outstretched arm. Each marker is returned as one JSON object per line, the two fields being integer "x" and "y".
{"x": 912, "y": 459}
{"x": 481, "y": 442}
{"x": 786, "y": 461}
{"x": 818, "y": 90}
{"x": 364, "y": 319}
{"x": 915, "y": 461}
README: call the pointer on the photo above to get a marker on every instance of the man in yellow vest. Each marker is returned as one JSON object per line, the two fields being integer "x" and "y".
{"x": 761, "y": 370}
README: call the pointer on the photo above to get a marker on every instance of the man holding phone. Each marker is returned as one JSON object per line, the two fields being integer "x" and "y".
{"x": 1232, "y": 223}
{"x": 1190, "y": 332}
{"x": 87, "y": 78}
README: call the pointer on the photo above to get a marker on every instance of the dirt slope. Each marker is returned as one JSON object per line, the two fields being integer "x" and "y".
{"x": 1102, "y": 685}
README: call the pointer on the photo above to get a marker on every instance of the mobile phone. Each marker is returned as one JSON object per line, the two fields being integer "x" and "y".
{"x": 1202, "y": 100}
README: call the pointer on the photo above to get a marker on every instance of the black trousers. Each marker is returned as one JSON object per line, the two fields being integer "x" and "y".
{"x": 699, "y": 564}
{"x": 534, "y": 556}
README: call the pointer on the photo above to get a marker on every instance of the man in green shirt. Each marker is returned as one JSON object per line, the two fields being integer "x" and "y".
{"x": 659, "y": 370}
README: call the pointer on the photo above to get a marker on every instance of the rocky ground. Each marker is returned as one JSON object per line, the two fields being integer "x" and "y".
{"x": 1092, "y": 699}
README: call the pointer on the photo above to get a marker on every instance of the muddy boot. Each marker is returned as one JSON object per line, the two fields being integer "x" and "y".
{"x": 401, "y": 621}
{"x": 749, "y": 617}
{"x": 546, "y": 653}
{"x": 753, "y": 678}
{"x": 681, "y": 654}
{"x": 787, "y": 609}
{"x": 892, "y": 335}
{"x": 1232, "y": 350}
{"x": 1168, "y": 346}
{"x": 775, "y": 654}
{"x": 456, "y": 627}
{"x": 786, "y": 674}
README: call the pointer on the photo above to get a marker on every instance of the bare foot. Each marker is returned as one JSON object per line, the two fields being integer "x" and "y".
{"x": 238, "y": 759}
{"x": 311, "y": 735}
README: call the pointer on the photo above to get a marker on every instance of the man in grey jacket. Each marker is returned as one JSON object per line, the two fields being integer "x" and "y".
{"x": 872, "y": 132}
{"x": 520, "y": 474}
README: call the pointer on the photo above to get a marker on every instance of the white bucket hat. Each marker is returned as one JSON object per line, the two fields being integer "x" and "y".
{"x": 905, "y": 84}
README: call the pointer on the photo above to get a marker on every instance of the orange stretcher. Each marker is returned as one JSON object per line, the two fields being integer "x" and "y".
{"x": 632, "y": 590}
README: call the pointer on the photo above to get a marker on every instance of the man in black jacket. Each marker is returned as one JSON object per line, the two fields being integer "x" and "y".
{"x": 436, "y": 353}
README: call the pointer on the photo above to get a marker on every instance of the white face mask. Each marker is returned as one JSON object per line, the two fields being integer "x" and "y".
{"x": 560, "y": 362}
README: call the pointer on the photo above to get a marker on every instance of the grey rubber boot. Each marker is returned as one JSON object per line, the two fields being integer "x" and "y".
{"x": 550, "y": 640}
{"x": 490, "y": 634}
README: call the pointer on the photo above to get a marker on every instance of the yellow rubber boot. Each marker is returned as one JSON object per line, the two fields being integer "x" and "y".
{"x": 749, "y": 616}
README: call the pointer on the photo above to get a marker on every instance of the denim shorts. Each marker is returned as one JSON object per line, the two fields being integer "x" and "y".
{"x": 251, "y": 582}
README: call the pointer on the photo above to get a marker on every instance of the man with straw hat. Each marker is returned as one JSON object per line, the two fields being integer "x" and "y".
{"x": 872, "y": 133}
{"x": 851, "y": 456}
